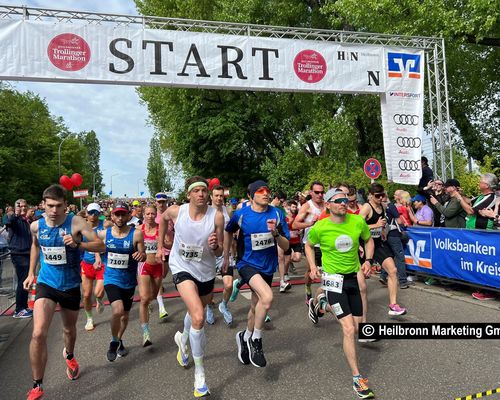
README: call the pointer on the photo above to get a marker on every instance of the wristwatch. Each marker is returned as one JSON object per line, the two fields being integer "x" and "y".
{"x": 370, "y": 260}
{"x": 277, "y": 234}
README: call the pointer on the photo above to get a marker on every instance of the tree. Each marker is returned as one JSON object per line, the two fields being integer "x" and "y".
{"x": 157, "y": 180}
{"x": 93, "y": 149}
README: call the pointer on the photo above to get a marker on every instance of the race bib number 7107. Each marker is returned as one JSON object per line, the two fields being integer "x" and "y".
{"x": 118, "y": 260}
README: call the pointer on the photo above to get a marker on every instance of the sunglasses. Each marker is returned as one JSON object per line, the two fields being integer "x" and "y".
{"x": 318, "y": 191}
{"x": 93, "y": 212}
{"x": 379, "y": 195}
{"x": 342, "y": 200}
{"x": 262, "y": 191}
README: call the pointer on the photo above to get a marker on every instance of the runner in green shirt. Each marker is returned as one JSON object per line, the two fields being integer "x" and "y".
{"x": 338, "y": 237}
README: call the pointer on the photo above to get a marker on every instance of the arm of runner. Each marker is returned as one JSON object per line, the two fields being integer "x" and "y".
{"x": 168, "y": 215}
{"x": 34, "y": 256}
{"x": 80, "y": 226}
{"x": 140, "y": 253}
{"x": 369, "y": 250}
{"x": 216, "y": 238}
{"x": 228, "y": 241}
{"x": 98, "y": 261}
{"x": 309, "y": 250}
{"x": 298, "y": 222}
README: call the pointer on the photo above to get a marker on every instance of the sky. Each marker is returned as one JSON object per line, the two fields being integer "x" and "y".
{"x": 114, "y": 112}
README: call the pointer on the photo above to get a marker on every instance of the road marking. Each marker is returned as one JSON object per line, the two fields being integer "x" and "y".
{"x": 479, "y": 395}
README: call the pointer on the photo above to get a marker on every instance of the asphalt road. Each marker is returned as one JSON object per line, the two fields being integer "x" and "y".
{"x": 304, "y": 361}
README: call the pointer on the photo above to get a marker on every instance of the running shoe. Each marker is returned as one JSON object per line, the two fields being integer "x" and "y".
{"x": 319, "y": 307}
{"x": 26, "y": 313}
{"x": 383, "y": 281}
{"x": 112, "y": 351}
{"x": 395, "y": 309}
{"x": 242, "y": 348}
{"x": 210, "y": 315}
{"x": 285, "y": 286}
{"x": 73, "y": 369}
{"x": 256, "y": 353}
{"x": 35, "y": 394}
{"x": 312, "y": 313}
{"x": 89, "y": 326}
{"x": 99, "y": 306}
{"x": 308, "y": 298}
{"x": 182, "y": 354}
{"x": 236, "y": 290}
{"x": 268, "y": 318}
{"x": 286, "y": 278}
{"x": 483, "y": 296}
{"x": 146, "y": 339}
{"x": 200, "y": 386}
{"x": 228, "y": 318}
{"x": 163, "y": 315}
{"x": 360, "y": 386}
{"x": 122, "y": 351}
{"x": 403, "y": 285}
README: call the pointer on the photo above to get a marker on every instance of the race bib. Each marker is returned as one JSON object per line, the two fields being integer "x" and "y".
{"x": 151, "y": 246}
{"x": 332, "y": 282}
{"x": 191, "y": 252}
{"x": 376, "y": 232}
{"x": 54, "y": 255}
{"x": 261, "y": 241}
{"x": 118, "y": 260}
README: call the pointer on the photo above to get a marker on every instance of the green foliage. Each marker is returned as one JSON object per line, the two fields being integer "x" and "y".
{"x": 157, "y": 179}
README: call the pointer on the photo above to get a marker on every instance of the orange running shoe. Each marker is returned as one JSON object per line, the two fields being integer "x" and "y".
{"x": 73, "y": 370}
{"x": 35, "y": 394}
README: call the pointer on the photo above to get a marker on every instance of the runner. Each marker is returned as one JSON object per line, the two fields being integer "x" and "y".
{"x": 279, "y": 199}
{"x": 150, "y": 272}
{"x": 197, "y": 241}
{"x": 294, "y": 252}
{"x": 261, "y": 229}
{"x": 56, "y": 245}
{"x": 374, "y": 214}
{"x": 308, "y": 214}
{"x": 93, "y": 265}
{"x": 125, "y": 247}
{"x": 227, "y": 276}
{"x": 161, "y": 206}
{"x": 339, "y": 237}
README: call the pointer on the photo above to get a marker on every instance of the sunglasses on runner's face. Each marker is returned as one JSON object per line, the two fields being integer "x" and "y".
{"x": 379, "y": 195}
{"x": 93, "y": 212}
{"x": 318, "y": 191}
{"x": 262, "y": 191}
{"x": 342, "y": 200}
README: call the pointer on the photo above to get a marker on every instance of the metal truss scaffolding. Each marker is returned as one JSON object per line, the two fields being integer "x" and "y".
{"x": 438, "y": 125}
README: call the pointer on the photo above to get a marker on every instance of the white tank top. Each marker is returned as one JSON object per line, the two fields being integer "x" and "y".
{"x": 190, "y": 252}
{"x": 313, "y": 211}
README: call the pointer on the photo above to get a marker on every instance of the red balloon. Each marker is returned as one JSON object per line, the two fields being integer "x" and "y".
{"x": 215, "y": 181}
{"x": 77, "y": 179}
{"x": 66, "y": 182}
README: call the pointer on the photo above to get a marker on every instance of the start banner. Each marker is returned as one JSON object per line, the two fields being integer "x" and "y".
{"x": 136, "y": 55}
{"x": 467, "y": 255}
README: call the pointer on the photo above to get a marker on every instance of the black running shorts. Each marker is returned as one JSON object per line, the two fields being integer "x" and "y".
{"x": 116, "y": 293}
{"x": 247, "y": 272}
{"x": 204, "y": 288}
{"x": 69, "y": 299}
{"x": 382, "y": 251}
{"x": 349, "y": 301}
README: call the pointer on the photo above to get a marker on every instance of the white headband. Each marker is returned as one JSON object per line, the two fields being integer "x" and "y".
{"x": 194, "y": 184}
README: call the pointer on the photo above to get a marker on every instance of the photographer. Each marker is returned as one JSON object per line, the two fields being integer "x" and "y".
{"x": 451, "y": 211}
{"x": 437, "y": 190}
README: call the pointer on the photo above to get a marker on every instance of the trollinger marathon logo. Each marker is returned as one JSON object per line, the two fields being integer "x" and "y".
{"x": 68, "y": 52}
{"x": 309, "y": 66}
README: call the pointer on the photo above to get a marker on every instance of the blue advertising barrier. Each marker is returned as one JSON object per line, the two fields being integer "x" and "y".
{"x": 468, "y": 255}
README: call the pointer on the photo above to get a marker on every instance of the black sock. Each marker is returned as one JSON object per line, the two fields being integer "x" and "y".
{"x": 69, "y": 356}
{"x": 37, "y": 382}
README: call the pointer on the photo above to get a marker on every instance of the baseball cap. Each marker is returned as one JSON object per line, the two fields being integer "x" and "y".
{"x": 419, "y": 197}
{"x": 136, "y": 203}
{"x": 254, "y": 186}
{"x": 333, "y": 192}
{"x": 452, "y": 182}
{"x": 161, "y": 196}
{"x": 234, "y": 201}
{"x": 94, "y": 207}
{"x": 120, "y": 207}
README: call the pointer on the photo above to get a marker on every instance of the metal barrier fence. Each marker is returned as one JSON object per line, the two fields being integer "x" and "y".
{"x": 8, "y": 283}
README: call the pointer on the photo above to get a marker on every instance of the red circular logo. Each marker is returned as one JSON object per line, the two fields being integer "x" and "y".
{"x": 69, "y": 52}
{"x": 309, "y": 66}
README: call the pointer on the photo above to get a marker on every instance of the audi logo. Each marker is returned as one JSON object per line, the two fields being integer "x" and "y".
{"x": 409, "y": 142}
{"x": 405, "y": 119}
{"x": 409, "y": 165}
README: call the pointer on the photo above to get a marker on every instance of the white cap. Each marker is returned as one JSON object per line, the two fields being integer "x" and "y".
{"x": 332, "y": 192}
{"x": 94, "y": 207}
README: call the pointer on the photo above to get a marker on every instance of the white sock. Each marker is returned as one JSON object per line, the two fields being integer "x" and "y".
{"x": 197, "y": 340}
{"x": 257, "y": 334}
{"x": 161, "y": 306}
{"x": 247, "y": 335}
{"x": 282, "y": 282}
{"x": 187, "y": 328}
